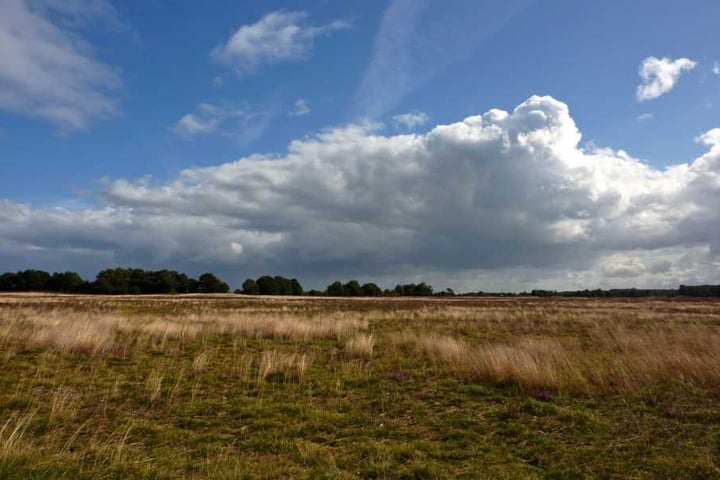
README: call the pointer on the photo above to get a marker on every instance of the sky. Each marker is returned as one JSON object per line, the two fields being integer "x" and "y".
{"x": 471, "y": 144}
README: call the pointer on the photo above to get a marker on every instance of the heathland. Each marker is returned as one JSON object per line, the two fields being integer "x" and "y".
{"x": 230, "y": 386}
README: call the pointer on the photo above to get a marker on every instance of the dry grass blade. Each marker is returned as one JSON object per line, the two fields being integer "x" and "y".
{"x": 15, "y": 428}
{"x": 153, "y": 385}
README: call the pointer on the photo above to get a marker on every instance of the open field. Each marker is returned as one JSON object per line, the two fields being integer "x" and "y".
{"x": 254, "y": 387}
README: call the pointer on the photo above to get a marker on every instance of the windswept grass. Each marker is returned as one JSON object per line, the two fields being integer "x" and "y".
{"x": 610, "y": 357}
{"x": 360, "y": 346}
{"x": 289, "y": 366}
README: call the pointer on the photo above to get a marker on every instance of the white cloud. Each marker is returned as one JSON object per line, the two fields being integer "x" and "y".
{"x": 245, "y": 123}
{"x": 47, "y": 70}
{"x": 716, "y": 68}
{"x": 645, "y": 117}
{"x": 410, "y": 120}
{"x": 503, "y": 200}
{"x": 279, "y": 36}
{"x": 301, "y": 107}
{"x": 659, "y": 76}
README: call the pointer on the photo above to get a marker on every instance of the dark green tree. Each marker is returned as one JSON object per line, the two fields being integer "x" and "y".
{"x": 9, "y": 282}
{"x": 283, "y": 285}
{"x": 371, "y": 290}
{"x": 336, "y": 289}
{"x": 209, "y": 283}
{"x": 296, "y": 288}
{"x": 113, "y": 281}
{"x": 266, "y": 285}
{"x": 250, "y": 287}
{"x": 353, "y": 289}
{"x": 66, "y": 282}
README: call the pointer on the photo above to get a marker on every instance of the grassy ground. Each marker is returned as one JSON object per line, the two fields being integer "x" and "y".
{"x": 238, "y": 387}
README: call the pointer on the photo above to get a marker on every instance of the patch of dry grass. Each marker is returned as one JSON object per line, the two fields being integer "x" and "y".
{"x": 290, "y": 366}
{"x": 618, "y": 355}
{"x": 200, "y": 362}
{"x": 360, "y": 346}
{"x": 64, "y": 404}
{"x": 12, "y": 433}
{"x": 95, "y": 333}
{"x": 153, "y": 385}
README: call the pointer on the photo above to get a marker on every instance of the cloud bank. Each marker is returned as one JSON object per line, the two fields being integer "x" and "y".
{"x": 280, "y": 36}
{"x": 499, "y": 200}
{"x": 47, "y": 70}
{"x": 659, "y": 76}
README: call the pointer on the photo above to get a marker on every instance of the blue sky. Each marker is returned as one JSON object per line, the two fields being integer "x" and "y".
{"x": 134, "y": 93}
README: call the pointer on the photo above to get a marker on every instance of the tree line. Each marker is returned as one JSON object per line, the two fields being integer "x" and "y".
{"x": 278, "y": 285}
{"x": 135, "y": 281}
{"x": 112, "y": 281}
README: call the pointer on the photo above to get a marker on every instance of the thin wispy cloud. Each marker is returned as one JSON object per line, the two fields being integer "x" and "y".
{"x": 716, "y": 68}
{"x": 660, "y": 75}
{"x": 300, "y": 108}
{"x": 81, "y": 13}
{"x": 280, "y": 36}
{"x": 47, "y": 70}
{"x": 418, "y": 40}
{"x": 645, "y": 117}
{"x": 245, "y": 123}
{"x": 410, "y": 120}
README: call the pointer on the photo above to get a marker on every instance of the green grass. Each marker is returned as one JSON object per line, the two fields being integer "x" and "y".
{"x": 401, "y": 414}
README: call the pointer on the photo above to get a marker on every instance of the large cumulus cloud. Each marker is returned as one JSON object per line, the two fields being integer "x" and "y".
{"x": 502, "y": 193}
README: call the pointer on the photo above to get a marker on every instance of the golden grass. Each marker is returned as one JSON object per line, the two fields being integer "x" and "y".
{"x": 200, "y": 363}
{"x": 12, "y": 433}
{"x": 290, "y": 366}
{"x": 617, "y": 355}
{"x": 153, "y": 385}
{"x": 360, "y": 346}
{"x": 95, "y": 333}
{"x": 564, "y": 343}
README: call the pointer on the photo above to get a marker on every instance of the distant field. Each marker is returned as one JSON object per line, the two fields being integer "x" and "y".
{"x": 232, "y": 386}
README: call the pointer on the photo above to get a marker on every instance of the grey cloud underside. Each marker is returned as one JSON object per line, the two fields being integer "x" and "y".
{"x": 496, "y": 192}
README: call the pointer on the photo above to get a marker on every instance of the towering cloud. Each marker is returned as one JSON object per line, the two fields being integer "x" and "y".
{"x": 502, "y": 192}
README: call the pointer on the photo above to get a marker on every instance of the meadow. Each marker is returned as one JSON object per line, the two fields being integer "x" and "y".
{"x": 234, "y": 386}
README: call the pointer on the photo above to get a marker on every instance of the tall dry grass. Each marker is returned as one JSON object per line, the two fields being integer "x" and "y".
{"x": 12, "y": 435}
{"x": 616, "y": 356}
{"x": 153, "y": 385}
{"x": 360, "y": 346}
{"x": 290, "y": 366}
{"x": 578, "y": 344}
{"x": 99, "y": 332}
